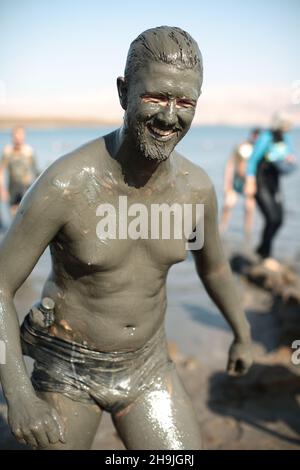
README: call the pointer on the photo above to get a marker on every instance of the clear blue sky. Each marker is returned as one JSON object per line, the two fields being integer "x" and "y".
{"x": 48, "y": 46}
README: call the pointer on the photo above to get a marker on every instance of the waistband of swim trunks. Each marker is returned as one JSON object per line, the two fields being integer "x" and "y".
{"x": 33, "y": 337}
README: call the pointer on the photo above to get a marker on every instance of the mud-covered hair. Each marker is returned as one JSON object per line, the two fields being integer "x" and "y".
{"x": 164, "y": 44}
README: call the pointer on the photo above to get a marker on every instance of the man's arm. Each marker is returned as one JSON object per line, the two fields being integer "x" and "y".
{"x": 34, "y": 165}
{"x": 40, "y": 217}
{"x": 215, "y": 273}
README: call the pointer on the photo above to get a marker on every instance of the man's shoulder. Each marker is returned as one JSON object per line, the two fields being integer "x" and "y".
{"x": 27, "y": 150}
{"x": 197, "y": 177}
{"x": 88, "y": 152}
{"x": 7, "y": 150}
{"x": 72, "y": 169}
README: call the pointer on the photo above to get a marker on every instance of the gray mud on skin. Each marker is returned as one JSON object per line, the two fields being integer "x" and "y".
{"x": 111, "y": 297}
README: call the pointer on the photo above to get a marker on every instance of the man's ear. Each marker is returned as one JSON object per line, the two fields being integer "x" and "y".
{"x": 122, "y": 90}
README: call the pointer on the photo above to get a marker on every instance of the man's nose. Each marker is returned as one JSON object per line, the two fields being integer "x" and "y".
{"x": 167, "y": 114}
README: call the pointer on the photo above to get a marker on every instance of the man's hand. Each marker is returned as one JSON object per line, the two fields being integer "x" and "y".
{"x": 250, "y": 186}
{"x": 239, "y": 358}
{"x": 35, "y": 423}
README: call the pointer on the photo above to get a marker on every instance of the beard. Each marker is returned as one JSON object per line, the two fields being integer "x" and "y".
{"x": 149, "y": 147}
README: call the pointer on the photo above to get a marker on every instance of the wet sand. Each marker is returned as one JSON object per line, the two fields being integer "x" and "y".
{"x": 259, "y": 411}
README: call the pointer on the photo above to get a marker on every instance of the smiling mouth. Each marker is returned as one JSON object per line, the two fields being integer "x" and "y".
{"x": 161, "y": 134}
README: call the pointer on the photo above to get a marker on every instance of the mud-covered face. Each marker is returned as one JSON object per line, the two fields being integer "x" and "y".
{"x": 161, "y": 103}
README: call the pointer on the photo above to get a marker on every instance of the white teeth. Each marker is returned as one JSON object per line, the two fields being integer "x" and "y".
{"x": 161, "y": 132}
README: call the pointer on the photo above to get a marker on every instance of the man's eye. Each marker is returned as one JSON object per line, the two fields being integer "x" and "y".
{"x": 185, "y": 104}
{"x": 150, "y": 100}
{"x": 154, "y": 99}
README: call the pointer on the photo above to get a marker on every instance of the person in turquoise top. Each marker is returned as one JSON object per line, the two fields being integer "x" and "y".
{"x": 269, "y": 149}
{"x": 272, "y": 157}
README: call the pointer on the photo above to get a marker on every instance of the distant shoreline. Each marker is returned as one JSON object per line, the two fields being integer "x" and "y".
{"x": 54, "y": 122}
{"x": 7, "y": 123}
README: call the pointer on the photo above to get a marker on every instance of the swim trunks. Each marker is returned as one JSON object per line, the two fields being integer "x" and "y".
{"x": 113, "y": 380}
{"x": 238, "y": 184}
{"x": 16, "y": 193}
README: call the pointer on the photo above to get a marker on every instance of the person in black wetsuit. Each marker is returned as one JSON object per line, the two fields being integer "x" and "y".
{"x": 272, "y": 156}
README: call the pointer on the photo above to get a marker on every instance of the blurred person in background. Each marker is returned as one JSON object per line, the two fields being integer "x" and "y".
{"x": 272, "y": 157}
{"x": 19, "y": 161}
{"x": 1, "y": 215}
{"x": 234, "y": 181}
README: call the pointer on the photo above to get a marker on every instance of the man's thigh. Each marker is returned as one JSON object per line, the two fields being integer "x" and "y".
{"x": 162, "y": 417}
{"x": 80, "y": 421}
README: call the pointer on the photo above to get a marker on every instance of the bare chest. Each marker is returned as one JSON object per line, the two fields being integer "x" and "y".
{"x": 118, "y": 230}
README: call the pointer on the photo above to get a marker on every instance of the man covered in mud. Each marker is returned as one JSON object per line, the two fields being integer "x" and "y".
{"x": 98, "y": 336}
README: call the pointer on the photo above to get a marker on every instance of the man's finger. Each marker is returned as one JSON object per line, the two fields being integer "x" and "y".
{"x": 22, "y": 441}
{"x": 40, "y": 437}
{"x": 60, "y": 426}
{"x": 18, "y": 434}
{"x": 52, "y": 431}
{"x": 30, "y": 439}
